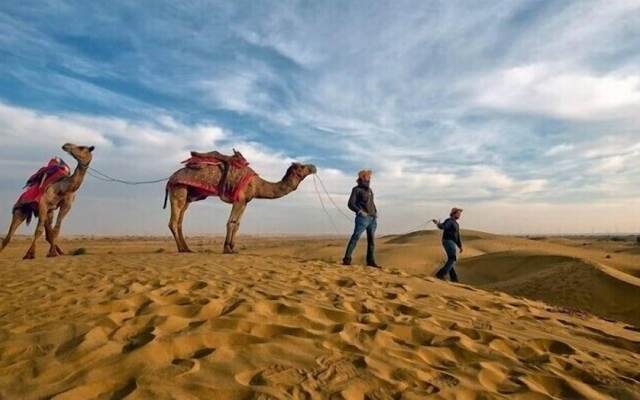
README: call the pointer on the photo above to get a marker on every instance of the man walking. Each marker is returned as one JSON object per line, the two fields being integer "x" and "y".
{"x": 450, "y": 240}
{"x": 361, "y": 203}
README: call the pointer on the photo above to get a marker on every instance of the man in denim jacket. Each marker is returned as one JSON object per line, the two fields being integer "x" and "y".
{"x": 361, "y": 203}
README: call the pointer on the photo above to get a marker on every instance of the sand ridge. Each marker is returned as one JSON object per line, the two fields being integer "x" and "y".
{"x": 162, "y": 325}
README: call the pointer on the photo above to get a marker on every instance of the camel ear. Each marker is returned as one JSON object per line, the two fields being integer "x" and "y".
{"x": 91, "y": 148}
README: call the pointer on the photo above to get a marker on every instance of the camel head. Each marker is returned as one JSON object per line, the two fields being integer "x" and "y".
{"x": 81, "y": 153}
{"x": 297, "y": 172}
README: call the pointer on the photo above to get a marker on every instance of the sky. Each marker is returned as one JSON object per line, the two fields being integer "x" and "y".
{"x": 524, "y": 113}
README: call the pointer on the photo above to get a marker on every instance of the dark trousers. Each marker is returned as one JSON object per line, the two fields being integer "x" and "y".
{"x": 363, "y": 223}
{"x": 449, "y": 267}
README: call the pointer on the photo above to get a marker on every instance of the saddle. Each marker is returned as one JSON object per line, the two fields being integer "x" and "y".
{"x": 235, "y": 164}
{"x": 199, "y": 160}
{"x": 216, "y": 155}
{"x": 37, "y": 185}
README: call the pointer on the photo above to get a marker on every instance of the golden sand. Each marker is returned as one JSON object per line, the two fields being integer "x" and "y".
{"x": 133, "y": 319}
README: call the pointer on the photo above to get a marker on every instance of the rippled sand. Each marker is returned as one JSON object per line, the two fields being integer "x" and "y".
{"x": 145, "y": 323}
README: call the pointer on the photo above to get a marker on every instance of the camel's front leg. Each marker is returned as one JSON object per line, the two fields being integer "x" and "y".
{"x": 42, "y": 219}
{"x": 233, "y": 224}
{"x": 54, "y": 249}
{"x": 48, "y": 233}
{"x": 185, "y": 246}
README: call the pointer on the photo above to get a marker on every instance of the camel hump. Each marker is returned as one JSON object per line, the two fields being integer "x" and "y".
{"x": 211, "y": 154}
{"x": 237, "y": 160}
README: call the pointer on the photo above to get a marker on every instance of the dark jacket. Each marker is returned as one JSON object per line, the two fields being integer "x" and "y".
{"x": 451, "y": 231}
{"x": 362, "y": 200}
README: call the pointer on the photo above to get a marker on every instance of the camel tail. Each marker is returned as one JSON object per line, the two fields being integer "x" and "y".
{"x": 166, "y": 196}
{"x": 27, "y": 210}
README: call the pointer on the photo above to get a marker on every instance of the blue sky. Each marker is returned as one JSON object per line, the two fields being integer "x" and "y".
{"x": 525, "y": 113}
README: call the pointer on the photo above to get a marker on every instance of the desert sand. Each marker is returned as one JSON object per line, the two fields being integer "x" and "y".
{"x": 550, "y": 318}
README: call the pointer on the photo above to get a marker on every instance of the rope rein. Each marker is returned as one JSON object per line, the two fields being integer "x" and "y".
{"x": 106, "y": 178}
{"x": 348, "y": 218}
{"x": 326, "y": 192}
{"x": 315, "y": 185}
{"x": 316, "y": 178}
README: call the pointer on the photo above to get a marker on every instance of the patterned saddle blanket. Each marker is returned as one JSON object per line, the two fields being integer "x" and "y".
{"x": 235, "y": 165}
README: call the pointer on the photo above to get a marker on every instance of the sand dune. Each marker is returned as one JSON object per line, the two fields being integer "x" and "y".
{"x": 566, "y": 281}
{"x": 142, "y": 323}
{"x": 576, "y": 274}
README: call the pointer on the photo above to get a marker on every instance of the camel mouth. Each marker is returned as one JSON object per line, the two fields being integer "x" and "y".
{"x": 67, "y": 147}
{"x": 313, "y": 169}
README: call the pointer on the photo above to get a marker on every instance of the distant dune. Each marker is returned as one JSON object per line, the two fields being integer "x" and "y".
{"x": 132, "y": 319}
{"x": 566, "y": 281}
{"x": 569, "y": 274}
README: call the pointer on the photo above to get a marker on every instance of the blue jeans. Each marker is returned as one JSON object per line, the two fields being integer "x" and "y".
{"x": 363, "y": 223}
{"x": 450, "y": 248}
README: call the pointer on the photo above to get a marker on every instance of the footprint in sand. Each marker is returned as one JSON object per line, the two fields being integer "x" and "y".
{"x": 139, "y": 340}
{"x": 125, "y": 390}
{"x": 183, "y": 365}
{"x": 202, "y": 353}
{"x": 278, "y": 375}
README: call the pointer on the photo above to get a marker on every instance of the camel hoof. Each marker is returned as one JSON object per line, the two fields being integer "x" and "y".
{"x": 59, "y": 251}
{"x": 186, "y": 251}
{"x": 52, "y": 254}
{"x": 29, "y": 256}
{"x": 229, "y": 251}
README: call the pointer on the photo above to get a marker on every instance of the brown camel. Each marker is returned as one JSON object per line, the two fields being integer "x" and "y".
{"x": 181, "y": 195}
{"x": 58, "y": 195}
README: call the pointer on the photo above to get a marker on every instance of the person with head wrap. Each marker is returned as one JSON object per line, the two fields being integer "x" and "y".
{"x": 450, "y": 240}
{"x": 362, "y": 204}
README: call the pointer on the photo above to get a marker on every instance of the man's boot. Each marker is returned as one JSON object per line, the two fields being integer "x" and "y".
{"x": 372, "y": 264}
{"x": 346, "y": 261}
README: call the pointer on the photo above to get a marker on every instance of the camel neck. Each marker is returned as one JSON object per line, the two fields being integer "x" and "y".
{"x": 275, "y": 190}
{"x": 78, "y": 176}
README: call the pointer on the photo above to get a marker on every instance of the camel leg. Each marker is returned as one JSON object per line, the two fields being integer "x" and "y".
{"x": 16, "y": 220}
{"x": 48, "y": 234}
{"x": 178, "y": 199}
{"x": 180, "y": 234}
{"x": 233, "y": 224}
{"x": 54, "y": 249}
{"x": 42, "y": 218}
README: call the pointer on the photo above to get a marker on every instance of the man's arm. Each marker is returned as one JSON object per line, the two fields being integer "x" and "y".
{"x": 353, "y": 200}
{"x": 444, "y": 225}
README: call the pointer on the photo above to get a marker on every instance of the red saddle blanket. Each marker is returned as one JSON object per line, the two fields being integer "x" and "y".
{"x": 38, "y": 183}
{"x": 200, "y": 190}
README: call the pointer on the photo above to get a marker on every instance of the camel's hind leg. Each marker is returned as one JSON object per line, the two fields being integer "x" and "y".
{"x": 42, "y": 218}
{"x": 178, "y": 200}
{"x": 16, "y": 220}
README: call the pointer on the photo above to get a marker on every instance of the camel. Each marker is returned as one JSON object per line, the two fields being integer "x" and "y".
{"x": 57, "y": 196}
{"x": 181, "y": 195}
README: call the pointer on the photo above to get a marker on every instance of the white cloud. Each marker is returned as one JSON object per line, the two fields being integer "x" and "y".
{"x": 122, "y": 146}
{"x": 559, "y": 149}
{"x": 549, "y": 90}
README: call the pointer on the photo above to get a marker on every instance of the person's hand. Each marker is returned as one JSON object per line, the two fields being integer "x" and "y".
{"x": 461, "y": 250}
{"x": 362, "y": 213}
{"x": 435, "y": 221}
